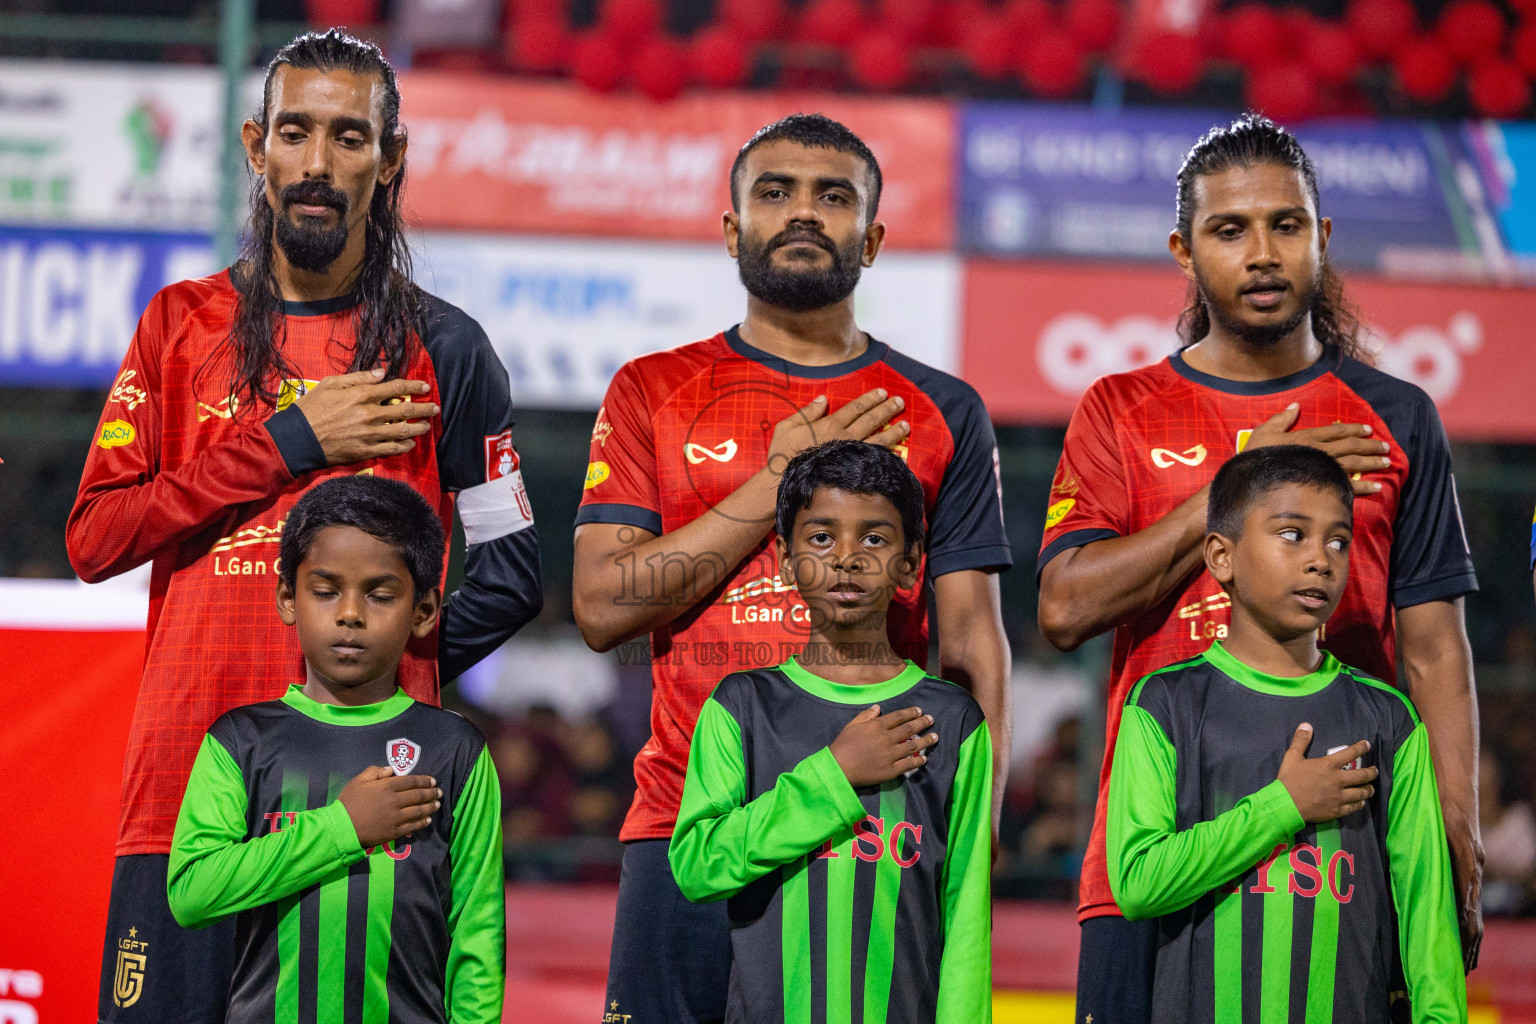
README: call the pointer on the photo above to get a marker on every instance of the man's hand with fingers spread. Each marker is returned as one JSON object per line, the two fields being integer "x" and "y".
{"x": 1319, "y": 786}
{"x": 874, "y": 748}
{"x": 1350, "y": 443}
{"x": 863, "y": 419}
{"x": 385, "y": 806}
{"x": 359, "y": 416}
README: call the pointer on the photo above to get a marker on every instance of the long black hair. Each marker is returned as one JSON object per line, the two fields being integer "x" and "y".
{"x": 388, "y": 309}
{"x": 1254, "y": 139}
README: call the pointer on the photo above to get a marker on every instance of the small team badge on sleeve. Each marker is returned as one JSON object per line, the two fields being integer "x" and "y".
{"x": 500, "y": 456}
{"x": 401, "y": 755}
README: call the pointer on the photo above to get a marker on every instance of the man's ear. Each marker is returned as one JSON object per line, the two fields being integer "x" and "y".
{"x": 730, "y": 226}
{"x": 427, "y": 611}
{"x": 1218, "y": 557}
{"x": 254, "y": 137}
{"x": 1179, "y": 247}
{"x": 874, "y": 241}
{"x": 390, "y": 163}
{"x": 285, "y": 603}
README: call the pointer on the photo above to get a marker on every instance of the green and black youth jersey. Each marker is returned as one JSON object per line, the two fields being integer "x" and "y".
{"x": 1263, "y": 917}
{"x": 867, "y": 906}
{"x": 412, "y": 932}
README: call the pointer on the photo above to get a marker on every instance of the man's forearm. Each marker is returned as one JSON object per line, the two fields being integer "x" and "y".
{"x": 973, "y": 651}
{"x": 1085, "y": 591}
{"x": 626, "y": 588}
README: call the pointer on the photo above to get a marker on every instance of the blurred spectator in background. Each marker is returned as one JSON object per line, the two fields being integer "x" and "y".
{"x": 1509, "y": 837}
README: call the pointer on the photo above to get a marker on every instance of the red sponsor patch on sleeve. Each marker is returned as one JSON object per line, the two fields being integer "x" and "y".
{"x": 500, "y": 457}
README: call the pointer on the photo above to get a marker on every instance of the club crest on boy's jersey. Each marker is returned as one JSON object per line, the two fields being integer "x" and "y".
{"x": 401, "y": 755}
{"x": 1353, "y": 765}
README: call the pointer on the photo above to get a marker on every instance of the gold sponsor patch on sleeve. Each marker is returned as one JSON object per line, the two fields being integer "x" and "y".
{"x": 597, "y": 472}
{"x": 116, "y": 434}
{"x": 1057, "y": 512}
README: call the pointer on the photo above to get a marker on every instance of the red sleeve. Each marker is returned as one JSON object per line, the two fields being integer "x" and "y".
{"x": 127, "y": 509}
{"x": 1089, "y": 499}
{"x": 621, "y": 471}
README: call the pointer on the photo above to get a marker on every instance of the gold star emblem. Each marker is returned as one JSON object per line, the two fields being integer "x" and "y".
{"x": 133, "y": 933}
{"x": 613, "y": 1005}
{"x": 1088, "y": 1019}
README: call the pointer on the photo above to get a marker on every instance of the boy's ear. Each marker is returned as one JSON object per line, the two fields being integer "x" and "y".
{"x": 285, "y": 603}
{"x": 1218, "y": 557}
{"x": 907, "y": 567}
{"x": 427, "y": 611}
{"x": 781, "y": 551}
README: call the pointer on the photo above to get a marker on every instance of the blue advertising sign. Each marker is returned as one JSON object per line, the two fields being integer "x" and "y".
{"x": 1073, "y": 181}
{"x": 70, "y": 300}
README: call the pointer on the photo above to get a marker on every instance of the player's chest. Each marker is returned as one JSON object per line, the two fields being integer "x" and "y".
{"x": 714, "y": 434}
{"x": 1169, "y": 452}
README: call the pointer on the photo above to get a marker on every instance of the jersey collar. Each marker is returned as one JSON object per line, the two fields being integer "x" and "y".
{"x": 873, "y": 354}
{"x": 335, "y": 714}
{"x": 1326, "y": 364}
{"x": 843, "y": 693}
{"x": 1280, "y": 686}
{"x": 321, "y": 307}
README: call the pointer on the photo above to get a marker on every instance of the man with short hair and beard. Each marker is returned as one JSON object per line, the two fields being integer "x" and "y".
{"x": 314, "y": 356}
{"x": 1272, "y": 356}
{"x": 674, "y": 537}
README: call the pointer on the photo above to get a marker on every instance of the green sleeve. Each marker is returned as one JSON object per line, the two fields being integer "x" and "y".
{"x": 720, "y": 844}
{"x": 965, "y": 971}
{"x": 477, "y": 921}
{"x": 215, "y": 871}
{"x": 1420, "y": 863}
{"x": 1155, "y": 869}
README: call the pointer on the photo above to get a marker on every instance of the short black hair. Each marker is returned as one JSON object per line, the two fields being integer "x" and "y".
{"x": 1249, "y": 476}
{"x": 859, "y": 468}
{"x": 815, "y": 131}
{"x": 387, "y": 510}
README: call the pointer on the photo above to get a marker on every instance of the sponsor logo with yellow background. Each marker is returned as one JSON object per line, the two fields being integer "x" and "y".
{"x": 115, "y": 434}
{"x": 597, "y": 472}
{"x": 1057, "y": 512}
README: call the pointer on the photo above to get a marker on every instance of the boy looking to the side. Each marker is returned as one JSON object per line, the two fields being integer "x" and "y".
{"x": 856, "y": 854}
{"x": 356, "y": 832}
{"x": 1277, "y": 876}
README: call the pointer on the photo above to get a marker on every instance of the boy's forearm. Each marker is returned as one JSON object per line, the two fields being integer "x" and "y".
{"x": 716, "y": 850}
{"x": 213, "y": 879}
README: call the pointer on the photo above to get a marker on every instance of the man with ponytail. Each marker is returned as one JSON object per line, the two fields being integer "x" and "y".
{"x": 1271, "y": 355}
{"x": 314, "y": 356}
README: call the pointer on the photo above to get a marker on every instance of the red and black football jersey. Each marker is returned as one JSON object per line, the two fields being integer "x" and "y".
{"x": 1141, "y": 443}
{"x": 179, "y": 476}
{"x": 679, "y": 430}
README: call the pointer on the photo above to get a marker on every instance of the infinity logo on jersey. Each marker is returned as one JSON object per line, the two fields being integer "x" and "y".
{"x": 725, "y": 451}
{"x": 401, "y": 755}
{"x": 1163, "y": 458}
{"x": 116, "y": 434}
{"x": 128, "y": 977}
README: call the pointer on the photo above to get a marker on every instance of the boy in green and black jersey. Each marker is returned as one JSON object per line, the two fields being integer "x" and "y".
{"x": 355, "y": 831}
{"x": 856, "y": 854}
{"x": 1289, "y": 888}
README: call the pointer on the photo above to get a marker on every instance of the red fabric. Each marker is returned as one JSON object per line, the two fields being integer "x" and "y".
{"x": 705, "y": 395}
{"x": 1126, "y": 464}
{"x": 204, "y": 494}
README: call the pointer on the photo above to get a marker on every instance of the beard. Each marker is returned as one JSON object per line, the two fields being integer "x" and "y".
{"x": 309, "y": 245}
{"x": 1259, "y": 335}
{"x": 798, "y": 288}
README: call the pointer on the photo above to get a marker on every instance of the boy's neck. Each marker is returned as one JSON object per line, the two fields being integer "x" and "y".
{"x": 1254, "y": 646}
{"x": 324, "y": 691}
{"x": 853, "y": 657}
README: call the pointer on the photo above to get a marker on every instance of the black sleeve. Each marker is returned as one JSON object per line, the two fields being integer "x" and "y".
{"x": 503, "y": 585}
{"x": 965, "y": 529}
{"x": 1430, "y": 557}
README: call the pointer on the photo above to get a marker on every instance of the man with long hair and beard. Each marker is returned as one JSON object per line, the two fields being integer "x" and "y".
{"x": 314, "y": 356}
{"x": 674, "y": 536}
{"x": 1272, "y": 355}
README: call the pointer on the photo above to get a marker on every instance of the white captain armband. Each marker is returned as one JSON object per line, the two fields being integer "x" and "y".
{"x": 500, "y": 506}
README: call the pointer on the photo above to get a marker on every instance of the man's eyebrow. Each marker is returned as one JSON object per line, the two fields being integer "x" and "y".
{"x": 774, "y": 178}
{"x": 823, "y": 184}
{"x": 338, "y": 125}
{"x": 1234, "y": 215}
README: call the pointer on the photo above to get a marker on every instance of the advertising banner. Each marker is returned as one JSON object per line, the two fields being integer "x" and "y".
{"x": 564, "y": 314}
{"x": 493, "y": 154}
{"x": 70, "y": 300}
{"x": 1036, "y": 335}
{"x": 1405, "y": 197}
{"x": 110, "y": 145}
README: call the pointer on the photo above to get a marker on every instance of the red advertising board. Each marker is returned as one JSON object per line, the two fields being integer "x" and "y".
{"x": 493, "y": 154}
{"x": 1036, "y": 335}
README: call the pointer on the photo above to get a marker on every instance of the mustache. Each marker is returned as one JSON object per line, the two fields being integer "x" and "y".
{"x": 314, "y": 193}
{"x": 1264, "y": 284}
{"x": 794, "y": 236}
